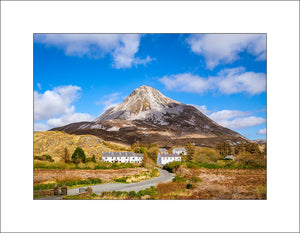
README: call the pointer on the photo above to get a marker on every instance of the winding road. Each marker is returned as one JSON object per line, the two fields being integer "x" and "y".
{"x": 98, "y": 189}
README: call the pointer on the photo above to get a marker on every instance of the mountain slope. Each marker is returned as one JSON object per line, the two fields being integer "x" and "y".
{"x": 53, "y": 143}
{"x": 150, "y": 117}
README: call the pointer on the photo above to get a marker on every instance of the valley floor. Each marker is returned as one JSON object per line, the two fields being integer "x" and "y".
{"x": 200, "y": 184}
{"x": 230, "y": 184}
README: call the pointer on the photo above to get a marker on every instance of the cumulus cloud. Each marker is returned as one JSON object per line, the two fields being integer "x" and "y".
{"x": 261, "y": 131}
{"x": 54, "y": 102}
{"x": 240, "y": 123}
{"x": 55, "y": 106}
{"x": 225, "y": 48}
{"x": 227, "y": 81}
{"x": 69, "y": 118}
{"x": 121, "y": 47}
{"x": 224, "y": 115}
{"x": 235, "y": 119}
{"x": 186, "y": 82}
{"x": 236, "y": 80}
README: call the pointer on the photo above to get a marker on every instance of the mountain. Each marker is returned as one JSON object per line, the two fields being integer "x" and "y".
{"x": 150, "y": 117}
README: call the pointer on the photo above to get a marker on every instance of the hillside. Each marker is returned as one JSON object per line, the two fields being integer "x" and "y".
{"x": 53, "y": 143}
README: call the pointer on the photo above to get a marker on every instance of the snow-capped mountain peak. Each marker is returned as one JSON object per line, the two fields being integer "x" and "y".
{"x": 141, "y": 104}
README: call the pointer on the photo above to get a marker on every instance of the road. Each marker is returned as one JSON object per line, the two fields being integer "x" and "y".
{"x": 98, "y": 189}
{"x": 164, "y": 177}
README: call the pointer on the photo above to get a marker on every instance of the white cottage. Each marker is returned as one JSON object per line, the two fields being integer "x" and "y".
{"x": 122, "y": 157}
{"x": 163, "y": 150}
{"x": 179, "y": 151}
{"x": 162, "y": 159}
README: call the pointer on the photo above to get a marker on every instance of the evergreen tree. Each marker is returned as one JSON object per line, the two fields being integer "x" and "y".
{"x": 78, "y": 155}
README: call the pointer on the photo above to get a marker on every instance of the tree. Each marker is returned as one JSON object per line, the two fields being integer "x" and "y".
{"x": 78, "y": 155}
{"x": 224, "y": 148}
{"x": 190, "y": 149}
{"x": 66, "y": 155}
{"x": 152, "y": 153}
{"x": 136, "y": 147}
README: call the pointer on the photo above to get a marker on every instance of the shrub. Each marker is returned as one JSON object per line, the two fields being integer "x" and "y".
{"x": 44, "y": 158}
{"x": 189, "y": 186}
{"x": 195, "y": 179}
{"x": 43, "y": 186}
{"x": 132, "y": 194}
{"x": 154, "y": 173}
{"x": 95, "y": 181}
{"x": 148, "y": 191}
{"x": 48, "y": 157}
{"x": 78, "y": 155}
{"x": 171, "y": 167}
{"x": 122, "y": 179}
{"x": 179, "y": 178}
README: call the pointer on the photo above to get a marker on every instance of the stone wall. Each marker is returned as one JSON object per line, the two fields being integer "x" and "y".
{"x": 49, "y": 192}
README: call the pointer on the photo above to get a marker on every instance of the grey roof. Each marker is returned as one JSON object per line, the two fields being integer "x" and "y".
{"x": 121, "y": 154}
{"x": 169, "y": 155}
{"x": 179, "y": 149}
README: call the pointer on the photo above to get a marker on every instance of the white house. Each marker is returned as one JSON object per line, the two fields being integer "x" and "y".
{"x": 163, "y": 150}
{"x": 162, "y": 159}
{"x": 179, "y": 151}
{"x": 122, "y": 157}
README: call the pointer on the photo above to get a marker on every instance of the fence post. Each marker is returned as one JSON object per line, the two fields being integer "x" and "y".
{"x": 89, "y": 190}
{"x": 64, "y": 190}
{"x": 56, "y": 189}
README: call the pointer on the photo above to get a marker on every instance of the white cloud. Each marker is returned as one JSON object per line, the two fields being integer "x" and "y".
{"x": 233, "y": 119}
{"x": 69, "y": 118}
{"x": 227, "y": 81}
{"x": 225, "y": 48}
{"x": 56, "y": 107}
{"x": 122, "y": 47}
{"x": 261, "y": 131}
{"x": 240, "y": 123}
{"x": 225, "y": 115}
{"x": 54, "y": 102}
{"x": 186, "y": 82}
{"x": 236, "y": 80}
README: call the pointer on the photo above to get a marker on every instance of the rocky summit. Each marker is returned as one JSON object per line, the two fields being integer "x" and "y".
{"x": 151, "y": 117}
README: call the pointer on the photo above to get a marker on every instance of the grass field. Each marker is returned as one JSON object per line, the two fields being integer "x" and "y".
{"x": 205, "y": 184}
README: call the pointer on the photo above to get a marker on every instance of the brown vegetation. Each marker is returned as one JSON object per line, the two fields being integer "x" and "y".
{"x": 218, "y": 184}
{"x": 54, "y": 175}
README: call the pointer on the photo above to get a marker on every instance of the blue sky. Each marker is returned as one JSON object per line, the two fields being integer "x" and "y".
{"x": 78, "y": 76}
